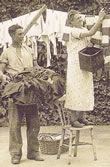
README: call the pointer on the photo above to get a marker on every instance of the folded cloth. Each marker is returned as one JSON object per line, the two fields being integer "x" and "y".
{"x": 12, "y": 88}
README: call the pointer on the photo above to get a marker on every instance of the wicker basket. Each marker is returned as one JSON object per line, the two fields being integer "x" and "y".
{"x": 91, "y": 59}
{"x": 49, "y": 143}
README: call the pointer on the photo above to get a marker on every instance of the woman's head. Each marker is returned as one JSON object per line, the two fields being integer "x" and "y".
{"x": 74, "y": 19}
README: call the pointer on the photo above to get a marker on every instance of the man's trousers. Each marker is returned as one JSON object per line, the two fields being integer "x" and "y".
{"x": 16, "y": 114}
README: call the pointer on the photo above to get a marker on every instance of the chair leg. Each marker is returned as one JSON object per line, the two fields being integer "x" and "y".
{"x": 61, "y": 143}
{"x": 76, "y": 142}
{"x": 70, "y": 147}
{"x": 93, "y": 145}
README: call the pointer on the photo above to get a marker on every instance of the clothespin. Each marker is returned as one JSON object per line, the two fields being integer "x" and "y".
{"x": 52, "y": 7}
{"x": 29, "y": 10}
{"x": 10, "y": 17}
{"x": 2, "y": 20}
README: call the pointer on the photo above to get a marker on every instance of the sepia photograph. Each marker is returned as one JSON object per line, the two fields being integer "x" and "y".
{"x": 55, "y": 83}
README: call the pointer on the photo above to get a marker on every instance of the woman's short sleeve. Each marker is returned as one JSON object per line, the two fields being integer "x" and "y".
{"x": 76, "y": 32}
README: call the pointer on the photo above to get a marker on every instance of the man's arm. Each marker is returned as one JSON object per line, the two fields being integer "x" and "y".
{"x": 2, "y": 70}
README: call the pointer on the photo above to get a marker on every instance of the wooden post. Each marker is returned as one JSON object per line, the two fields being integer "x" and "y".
{"x": 34, "y": 19}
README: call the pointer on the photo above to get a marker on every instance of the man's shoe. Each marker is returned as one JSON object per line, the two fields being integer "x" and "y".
{"x": 76, "y": 124}
{"x": 85, "y": 122}
{"x": 35, "y": 157}
{"x": 15, "y": 160}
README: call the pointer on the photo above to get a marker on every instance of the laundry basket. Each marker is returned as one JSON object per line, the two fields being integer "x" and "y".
{"x": 49, "y": 143}
{"x": 91, "y": 59}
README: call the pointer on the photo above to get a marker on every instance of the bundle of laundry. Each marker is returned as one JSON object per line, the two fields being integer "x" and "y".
{"x": 35, "y": 86}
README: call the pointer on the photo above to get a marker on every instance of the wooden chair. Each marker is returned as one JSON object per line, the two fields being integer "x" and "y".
{"x": 67, "y": 127}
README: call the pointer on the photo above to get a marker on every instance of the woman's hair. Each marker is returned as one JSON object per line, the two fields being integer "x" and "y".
{"x": 71, "y": 12}
{"x": 12, "y": 29}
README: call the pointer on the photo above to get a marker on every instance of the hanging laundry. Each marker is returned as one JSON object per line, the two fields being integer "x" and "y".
{"x": 106, "y": 31}
{"x": 54, "y": 27}
{"x": 45, "y": 38}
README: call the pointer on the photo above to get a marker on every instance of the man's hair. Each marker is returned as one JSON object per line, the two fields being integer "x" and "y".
{"x": 12, "y": 29}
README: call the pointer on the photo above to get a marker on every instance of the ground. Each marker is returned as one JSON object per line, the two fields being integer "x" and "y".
{"x": 85, "y": 154}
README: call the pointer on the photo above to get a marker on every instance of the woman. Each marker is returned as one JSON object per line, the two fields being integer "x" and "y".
{"x": 79, "y": 91}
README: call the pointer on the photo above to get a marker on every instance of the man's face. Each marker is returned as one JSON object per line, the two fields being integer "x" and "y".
{"x": 18, "y": 35}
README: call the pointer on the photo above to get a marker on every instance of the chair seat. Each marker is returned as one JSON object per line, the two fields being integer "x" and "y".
{"x": 83, "y": 128}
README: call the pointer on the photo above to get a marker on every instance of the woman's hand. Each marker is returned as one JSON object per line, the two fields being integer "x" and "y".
{"x": 101, "y": 14}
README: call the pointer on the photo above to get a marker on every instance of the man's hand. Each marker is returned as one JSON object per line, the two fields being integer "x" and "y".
{"x": 3, "y": 77}
{"x": 90, "y": 44}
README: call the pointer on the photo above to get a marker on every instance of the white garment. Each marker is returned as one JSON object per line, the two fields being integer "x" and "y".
{"x": 17, "y": 59}
{"x": 79, "y": 88}
{"x": 107, "y": 59}
{"x": 55, "y": 21}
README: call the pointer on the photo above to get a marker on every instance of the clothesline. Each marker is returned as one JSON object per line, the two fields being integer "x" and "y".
{"x": 55, "y": 21}
{"x": 52, "y": 28}
{"x": 45, "y": 31}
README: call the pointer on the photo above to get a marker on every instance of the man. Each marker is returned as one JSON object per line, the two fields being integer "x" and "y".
{"x": 13, "y": 60}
